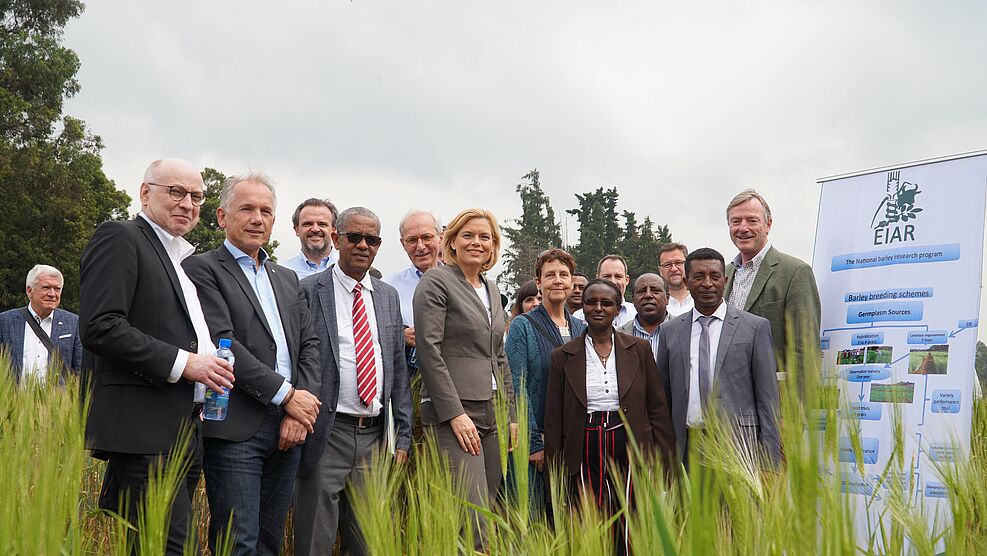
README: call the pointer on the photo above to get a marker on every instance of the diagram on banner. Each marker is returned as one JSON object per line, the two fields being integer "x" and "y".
{"x": 897, "y": 261}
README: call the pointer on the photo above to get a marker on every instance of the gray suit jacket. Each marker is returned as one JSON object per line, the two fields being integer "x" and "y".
{"x": 319, "y": 289}
{"x": 745, "y": 389}
{"x": 459, "y": 346}
{"x": 233, "y": 311}
{"x": 64, "y": 334}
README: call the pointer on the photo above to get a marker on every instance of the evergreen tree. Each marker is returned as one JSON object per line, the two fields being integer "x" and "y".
{"x": 532, "y": 233}
{"x": 599, "y": 231}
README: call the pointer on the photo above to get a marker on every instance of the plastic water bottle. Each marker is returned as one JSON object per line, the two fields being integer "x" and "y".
{"x": 216, "y": 403}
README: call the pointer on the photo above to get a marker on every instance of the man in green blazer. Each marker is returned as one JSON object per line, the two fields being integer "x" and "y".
{"x": 768, "y": 283}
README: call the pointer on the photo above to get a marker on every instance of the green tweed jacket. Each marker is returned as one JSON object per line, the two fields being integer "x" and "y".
{"x": 785, "y": 293}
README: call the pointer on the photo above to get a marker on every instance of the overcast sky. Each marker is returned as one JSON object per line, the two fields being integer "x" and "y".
{"x": 445, "y": 105}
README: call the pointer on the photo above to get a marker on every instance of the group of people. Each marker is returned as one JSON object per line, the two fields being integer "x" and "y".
{"x": 325, "y": 351}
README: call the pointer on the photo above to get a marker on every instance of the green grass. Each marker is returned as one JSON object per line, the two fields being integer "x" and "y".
{"x": 729, "y": 504}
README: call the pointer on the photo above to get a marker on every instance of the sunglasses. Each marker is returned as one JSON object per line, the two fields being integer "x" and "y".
{"x": 355, "y": 238}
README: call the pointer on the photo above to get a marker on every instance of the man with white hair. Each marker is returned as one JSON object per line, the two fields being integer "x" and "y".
{"x": 33, "y": 335}
{"x": 421, "y": 238}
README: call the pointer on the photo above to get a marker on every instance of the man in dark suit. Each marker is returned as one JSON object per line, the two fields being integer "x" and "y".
{"x": 29, "y": 354}
{"x": 141, "y": 319}
{"x": 364, "y": 383}
{"x": 251, "y": 457}
{"x": 721, "y": 357}
{"x": 766, "y": 282}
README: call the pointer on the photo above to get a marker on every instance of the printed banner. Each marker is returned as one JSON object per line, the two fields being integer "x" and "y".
{"x": 898, "y": 261}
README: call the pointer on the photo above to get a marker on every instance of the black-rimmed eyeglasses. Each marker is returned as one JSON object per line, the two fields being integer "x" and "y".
{"x": 178, "y": 193}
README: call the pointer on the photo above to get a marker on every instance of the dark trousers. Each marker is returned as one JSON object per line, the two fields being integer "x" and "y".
{"x": 126, "y": 479}
{"x": 481, "y": 474}
{"x": 322, "y": 503}
{"x": 252, "y": 479}
{"x": 605, "y": 440}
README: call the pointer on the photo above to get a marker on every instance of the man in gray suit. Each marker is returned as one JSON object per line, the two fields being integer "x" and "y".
{"x": 250, "y": 457}
{"x": 358, "y": 322}
{"x": 721, "y": 357}
{"x": 29, "y": 352}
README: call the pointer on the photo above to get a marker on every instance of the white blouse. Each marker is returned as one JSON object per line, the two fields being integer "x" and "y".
{"x": 601, "y": 382}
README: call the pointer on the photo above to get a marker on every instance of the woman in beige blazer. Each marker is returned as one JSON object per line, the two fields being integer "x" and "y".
{"x": 459, "y": 324}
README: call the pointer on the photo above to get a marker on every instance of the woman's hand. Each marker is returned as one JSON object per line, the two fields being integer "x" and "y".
{"x": 466, "y": 433}
{"x": 513, "y": 428}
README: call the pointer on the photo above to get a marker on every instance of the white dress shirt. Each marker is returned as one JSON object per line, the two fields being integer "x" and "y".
{"x": 676, "y": 307}
{"x": 694, "y": 413}
{"x": 484, "y": 296}
{"x": 178, "y": 249}
{"x": 349, "y": 397}
{"x": 35, "y": 361}
{"x": 601, "y": 382}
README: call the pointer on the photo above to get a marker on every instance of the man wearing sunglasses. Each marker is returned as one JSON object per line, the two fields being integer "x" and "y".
{"x": 251, "y": 457}
{"x": 357, "y": 319}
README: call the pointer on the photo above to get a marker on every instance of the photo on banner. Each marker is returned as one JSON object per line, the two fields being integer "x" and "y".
{"x": 898, "y": 259}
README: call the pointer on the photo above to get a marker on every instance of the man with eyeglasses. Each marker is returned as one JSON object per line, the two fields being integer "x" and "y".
{"x": 141, "y": 320}
{"x": 671, "y": 267}
{"x": 314, "y": 222}
{"x": 251, "y": 457}
{"x": 421, "y": 239}
{"x": 357, "y": 319}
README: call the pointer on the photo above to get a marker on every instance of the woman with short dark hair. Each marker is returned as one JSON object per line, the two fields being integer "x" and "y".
{"x": 593, "y": 381}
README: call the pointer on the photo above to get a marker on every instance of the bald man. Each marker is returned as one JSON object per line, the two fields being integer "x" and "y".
{"x": 141, "y": 319}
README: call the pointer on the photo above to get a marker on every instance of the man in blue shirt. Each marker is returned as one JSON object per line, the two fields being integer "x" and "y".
{"x": 314, "y": 221}
{"x": 252, "y": 456}
{"x": 421, "y": 238}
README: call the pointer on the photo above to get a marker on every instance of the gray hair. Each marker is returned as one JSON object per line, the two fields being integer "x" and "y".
{"x": 257, "y": 177}
{"x": 415, "y": 212}
{"x": 40, "y": 270}
{"x": 747, "y": 195}
{"x": 355, "y": 211}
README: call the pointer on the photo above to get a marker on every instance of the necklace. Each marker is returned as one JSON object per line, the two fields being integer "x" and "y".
{"x": 603, "y": 358}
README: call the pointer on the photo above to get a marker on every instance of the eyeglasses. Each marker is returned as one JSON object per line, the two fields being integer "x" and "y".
{"x": 605, "y": 303}
{"x": 178, "y": 193}
{"x": 355, "y": 238}
{"x": 424, "y": 238}
{"x": 670, "y": 264}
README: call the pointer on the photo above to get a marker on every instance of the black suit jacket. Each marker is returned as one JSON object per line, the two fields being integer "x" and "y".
{"x": 133, "y": 320}
{"x": 233, "y": 311}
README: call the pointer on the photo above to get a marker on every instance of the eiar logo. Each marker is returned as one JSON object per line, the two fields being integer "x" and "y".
{"x": 898, "y": 207}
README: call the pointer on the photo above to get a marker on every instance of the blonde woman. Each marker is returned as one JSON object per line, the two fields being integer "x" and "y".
{"x": 460, "y": 341}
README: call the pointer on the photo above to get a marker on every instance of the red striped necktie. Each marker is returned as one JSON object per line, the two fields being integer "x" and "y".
{"x": 366, "y": 368}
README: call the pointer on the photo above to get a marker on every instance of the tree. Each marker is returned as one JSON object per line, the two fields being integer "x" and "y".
{"x": 599, "y": 231}
{"x": 207, "y": 235}
{"x": 51, "y": 175}
{"x": 535, "y": 231}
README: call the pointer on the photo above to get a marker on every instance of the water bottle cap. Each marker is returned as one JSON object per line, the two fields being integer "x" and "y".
{"x": 225, "y": 343}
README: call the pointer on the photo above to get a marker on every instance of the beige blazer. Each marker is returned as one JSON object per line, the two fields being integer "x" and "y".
{"x": 459, "y": 346}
